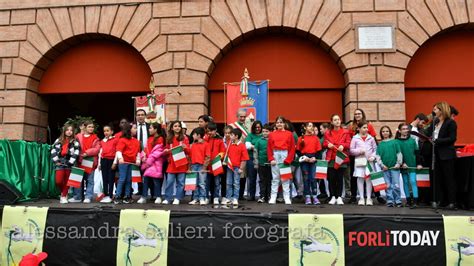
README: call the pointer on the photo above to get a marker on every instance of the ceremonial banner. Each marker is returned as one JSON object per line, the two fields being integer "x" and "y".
{"x": 143, "y": 237}
{"x": 459, "y": 238}
{"x": 154, "y": 106}
{"x": 253, "y": 99}
{"x": 22, "y": 232}
{"x": 316, "y": 239}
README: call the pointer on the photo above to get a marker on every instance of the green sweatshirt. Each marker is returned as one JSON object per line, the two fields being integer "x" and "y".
{"x": 252, "y": 138}
{"x": 261, "y": 147}
{"x": 389, "y": 153}
{"x": 408, "y": 148}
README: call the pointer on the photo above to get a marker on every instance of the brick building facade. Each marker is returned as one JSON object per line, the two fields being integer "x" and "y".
{"x": 182, "y": 42}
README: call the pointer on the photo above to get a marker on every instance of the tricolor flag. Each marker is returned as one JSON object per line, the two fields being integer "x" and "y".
{"x": 179, "y": 158}
{"x": 75, "y": 178}
{"x": 228, "y": 162}
{"x": 378, "y": 182}
{"x": 340, "y": 157}
{"x": 423, "y": 177}
{"x": 368, "y": 170}
{"x": 285, "y": 171}
{"x": 321, "y": 169}
{"x": 217, "y": 166}
{"x": 87, "y": 164}
{"x": 190, "y": 183}
{"x": 136, "y": 175}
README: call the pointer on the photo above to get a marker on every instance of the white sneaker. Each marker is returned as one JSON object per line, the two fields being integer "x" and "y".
{"x": 176, "y": 202}
{"x": 339, "y": 201}
{"x": 63, "y": 200}
{"x": 235, "y": 202}
{"x": 332, "y": 201}
{"x": 193, "y": 202}
{"x": 369, "y": 202}
{"x": 272, "y": 200}
{"x": 361, "y": 202}
{"x": 158, "y": 200}
{"x": 87, "y": 201}
{"x": 142, "y": 200}
{"x": 287, "y": 201}
{"x": 73, "y": 200}
{"x": 165, "y": 202}
{"x": 206, "y": 201}
{"x": 106, "y": 199}
{"x": 216, "y": 201}
{"x": 225, "y": 201}
{"x": 202, "y": 202}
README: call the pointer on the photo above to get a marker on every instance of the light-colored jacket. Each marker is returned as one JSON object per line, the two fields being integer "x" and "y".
{"x": 358, "y": 145}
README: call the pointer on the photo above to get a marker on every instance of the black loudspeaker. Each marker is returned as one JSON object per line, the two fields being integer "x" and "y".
{"x": 8, "y": 193}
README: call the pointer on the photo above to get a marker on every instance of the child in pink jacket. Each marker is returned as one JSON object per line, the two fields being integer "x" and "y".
{"x": 153, "y": 173}
{"x": 363, "y": 147}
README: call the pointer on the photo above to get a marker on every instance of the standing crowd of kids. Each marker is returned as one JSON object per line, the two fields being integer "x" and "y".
{"x": 249, "y": 151}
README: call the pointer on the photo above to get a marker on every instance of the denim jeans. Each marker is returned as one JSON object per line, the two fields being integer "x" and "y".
{"x": 280, "y": 156}
{"x": 175, "y": 179}
{"x": 215, "y": 181}
{"x": 79, "y": 192}
{"x": 157, "y": 183}
{"x": 409, "y": 180}
{"x": 392, "y": 178}
{"x": 310, "y": 186}
{"x": 200, "y": 192}
{"x": 125, "y": 180}
{"x": 233, "y": 183}
{"x": 251, "y": 179}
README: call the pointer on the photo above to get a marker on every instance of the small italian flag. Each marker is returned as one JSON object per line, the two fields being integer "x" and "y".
{"x": 378, "y": 182}
{"x": 285, "y": 171}
{"x": 228, "y": 162}
{"x": 179, "y": 158}
{"x": 87, "y": 164}
{"x": 136, "y": 175}
{"x": 190, "y": 183}
{"x": 321, "y": 169}
{"x": 217, "y": 166}
{"x": 423, "y": 177}
{"x": 75, "y": 178}
{"x": 368, "y": 170}
{"x": 340, "y": 157}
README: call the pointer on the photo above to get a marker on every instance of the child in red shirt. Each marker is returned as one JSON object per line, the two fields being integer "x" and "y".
{"x": 200, "y": 154}
{"x": 216, "y": 146}
{"x": 128, "y": 149}
{"x": 308, "y": 146}
{"x": 237, "y": 158}
{"x": 107, "y": 153}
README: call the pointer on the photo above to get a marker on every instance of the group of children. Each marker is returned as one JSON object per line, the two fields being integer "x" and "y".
{"x": 169, "y": 157}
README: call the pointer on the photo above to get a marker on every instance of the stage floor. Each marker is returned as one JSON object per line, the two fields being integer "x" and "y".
{"x": 252, "y": 207}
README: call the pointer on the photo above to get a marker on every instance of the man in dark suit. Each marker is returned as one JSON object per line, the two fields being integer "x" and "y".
{"x": 142, "y": 136}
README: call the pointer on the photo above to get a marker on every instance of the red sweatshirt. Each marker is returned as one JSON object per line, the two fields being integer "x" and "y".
{"x": 308, "y": 144}
{"x": 129, "y": 149}
{"x": 281, "y": 140}
{"x": 171, "y": 166}
{"x": 337, "y": 138}
{"x": 109, "y": 147}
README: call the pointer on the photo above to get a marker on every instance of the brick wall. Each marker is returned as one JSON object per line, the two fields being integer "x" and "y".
{"x": 182, "y": 41}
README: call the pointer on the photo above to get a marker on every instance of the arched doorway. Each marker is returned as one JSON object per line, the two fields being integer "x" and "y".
{"x": 443, "y": 70}
{"x": 305, "y": 82}
{"x": 94, "y": 78}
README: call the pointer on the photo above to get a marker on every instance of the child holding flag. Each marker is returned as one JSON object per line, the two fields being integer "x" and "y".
{"x": 178, "y": 146}
{"x": 108, "y": 149}
{"x": 308, "y": 146}
{"x": 217, "y": 149}
{"x": 389, "y": 157}
{"x": 64, "y": 154}
{"x": 411, "y": 162}
{"x": 236, "y": 158}
{"x": 153, "y": 166}
{"x": 128, "y": 153}
{"x": 88, "y": 160}
{"x": 264, "y": 169}
{"x": 281, "y": 151}
{"x": 363, "y": 148}
{"x": 337, "y": 141}
{"x": 200, "y": 154}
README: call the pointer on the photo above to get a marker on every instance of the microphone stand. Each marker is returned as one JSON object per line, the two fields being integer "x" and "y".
{"x": 434, "y": 205}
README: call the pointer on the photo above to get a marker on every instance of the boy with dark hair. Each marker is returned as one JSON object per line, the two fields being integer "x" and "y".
{"x": 216, "y": 146}
{"x": 200, "y": 154}
{"x": 264, "y": 169}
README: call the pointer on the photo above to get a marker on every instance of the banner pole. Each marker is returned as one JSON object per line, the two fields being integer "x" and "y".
{"x": 268, "y": 101}
{"x": 225, "y": 104}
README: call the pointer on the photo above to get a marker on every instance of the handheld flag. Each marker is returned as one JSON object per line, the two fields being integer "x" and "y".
{"x": 179, "y": 158}
{"x": 87, "y": 164}
{"x": 285, "y": 171}
{"x": 378, "y": 182}
{"x": 228, "y": 162}
{"x": 136, "y": 175}
{"x": 217, "y": 166}
{"x": 191, "y": 181}
{"x": 340, "y": 157}
{"x": 321, "y": 169}
{"x": 423, "y": 177}
{"x": 75, "y": 178}
{"x": 368, "y": 170}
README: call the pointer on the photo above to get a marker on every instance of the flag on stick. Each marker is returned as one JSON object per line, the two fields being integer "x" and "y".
{"x": 423, "y": 177}
{"x": 190, "y": 183}
{"x": 321, "y": 169}
{"x": 378, "y": 182}
{"x": 217, "y": 166}
{"x": 87, "y": 164}
{"x": 75, "y": 178}
{"x": 340, "y": 157}
{"x": 136, "y": 175}
{"x": 179, "y": 158}
{"x": 285, "y": 171}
